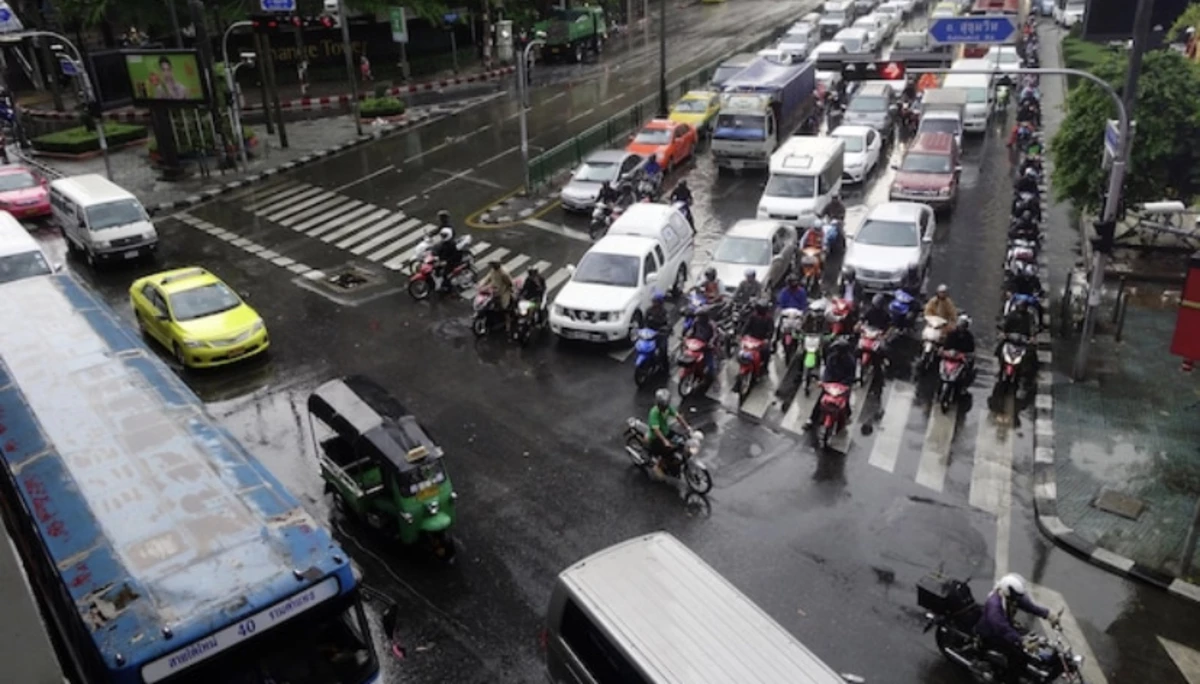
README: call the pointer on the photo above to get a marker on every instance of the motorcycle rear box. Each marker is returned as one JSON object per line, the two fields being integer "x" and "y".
{"x": 943, "y": 596}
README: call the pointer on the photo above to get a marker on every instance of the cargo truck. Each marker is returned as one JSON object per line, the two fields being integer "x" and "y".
{"x": 760, "y": 107}
{"x": 572, "y": 33}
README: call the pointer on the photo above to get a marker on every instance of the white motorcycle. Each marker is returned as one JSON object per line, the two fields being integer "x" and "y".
{"x": 931, "y": 342}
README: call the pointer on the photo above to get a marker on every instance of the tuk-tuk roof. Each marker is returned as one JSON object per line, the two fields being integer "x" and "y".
{"x": 362, "y": 412}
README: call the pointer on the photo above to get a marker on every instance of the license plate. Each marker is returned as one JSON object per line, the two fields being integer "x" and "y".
{"x": 131, "y": 254}
{"x": 237, "y": 352}
{"x": 736, "y": 164}
{"x": 427, "y": 493}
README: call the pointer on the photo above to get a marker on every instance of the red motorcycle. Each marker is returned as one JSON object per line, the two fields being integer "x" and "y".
{"x": 871, "y": 343}
{"x": 951, "y": 372}
{"x": 751, "y": 366}
{"x": 834, "y": 413}
{"x": 838, "y": 316}
{"x": 693, "y": 366}
{"x": 427, "y": 279}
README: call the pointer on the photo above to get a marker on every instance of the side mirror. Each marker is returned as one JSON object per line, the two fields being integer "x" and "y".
{"x": 958, "y": 169}
{"x": 651, "y": 278}
{"x": 928, "y": 239}
{"x": 571, "y": 269}
{"x": 57, "y": 267}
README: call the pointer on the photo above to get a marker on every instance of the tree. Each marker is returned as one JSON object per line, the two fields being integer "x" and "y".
{"x": 1189, "y": 19}
{"x": 1164, "y": 161}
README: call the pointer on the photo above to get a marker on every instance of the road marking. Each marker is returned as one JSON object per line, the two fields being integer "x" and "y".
{"x": 557, "y": 279}
{"x": 407, "y": 201}
{"x": 283, "y": 261}
{"x": 991, "y": 477}
{"x": 374, "y": 242}
{"x": 367, "y": 177}
{"x": 361, "y": 235}
{"x": 580, "y": 115}
{"x": 313, "y": 211}
{"x": 278, "y": 202}
{"x": 890, "y": 432}
{"x": 496, "y": 255}
{"x": 511, "y": 266}
{"x": 351, "y": 227}
{"x": 1049, "y": 598}
{"x": 300, "y": 206}
{"x": 353, "y": 205}
{"x": 558, "y": 229}
{"x": 474, "y": 132}
{"x": 1186, "y": 659}
{"x": 478, "y": 247}
{"x": 275, "y": 194}
{"x": 451, "y": 179}
{"x": 330, "y": 222}
{"x": 431, "y": 150}
{"x": 395, "y": 262}
{"x": 411, "y": 237}
{"x": 935, "y": 455}
{"x": 493, "y": 158}
{"x": 552, "y": 98}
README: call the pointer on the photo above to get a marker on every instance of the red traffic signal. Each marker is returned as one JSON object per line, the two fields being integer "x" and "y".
{"x": 873, "y": 71}
{"x": 265, "y": 23}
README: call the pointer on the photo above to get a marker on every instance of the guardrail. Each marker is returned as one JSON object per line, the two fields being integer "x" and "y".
{"x": 613, "y": 131}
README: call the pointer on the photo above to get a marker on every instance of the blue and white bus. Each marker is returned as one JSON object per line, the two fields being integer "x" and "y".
{"x": 160, "y": 549}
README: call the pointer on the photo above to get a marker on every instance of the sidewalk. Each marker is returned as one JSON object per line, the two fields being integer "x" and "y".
{"x": 321, "y": 95}
{"x": 308, "y": 141}
{"x": 1117, "y": 457}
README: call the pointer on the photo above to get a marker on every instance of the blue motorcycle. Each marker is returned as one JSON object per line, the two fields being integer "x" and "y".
{"x": 650, "y": 360}
{"x": 903, "y": 310}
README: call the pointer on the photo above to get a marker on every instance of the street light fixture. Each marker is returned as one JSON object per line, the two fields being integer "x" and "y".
{"x": 89, "y": 95}
{"x": 522, "y": 92}
{"x": 235, "y": 113}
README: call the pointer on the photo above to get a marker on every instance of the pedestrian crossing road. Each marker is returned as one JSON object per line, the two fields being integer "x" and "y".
{"x": 360, "y": 229}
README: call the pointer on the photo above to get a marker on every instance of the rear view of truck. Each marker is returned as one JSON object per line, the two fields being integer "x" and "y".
{"x": 573, "y": 33}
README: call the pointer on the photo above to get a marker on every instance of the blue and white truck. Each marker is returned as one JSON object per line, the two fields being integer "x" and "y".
{"x": 760, "y": 107}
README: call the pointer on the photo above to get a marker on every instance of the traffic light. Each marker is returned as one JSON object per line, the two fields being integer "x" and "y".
{"x": 855, "y": 70}
{"x": 1105, "y": 240}
{"x": 267, "y": 23}
{"x": 286, "y": 23}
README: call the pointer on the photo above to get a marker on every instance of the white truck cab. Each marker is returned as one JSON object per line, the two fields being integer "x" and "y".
{"x": 806, "y": 174}
{"x": 978, "y": 87}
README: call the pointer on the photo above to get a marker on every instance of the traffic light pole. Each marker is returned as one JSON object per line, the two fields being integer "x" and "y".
{"x": 1112, "y": 201}
{"x": 346, "y": 48}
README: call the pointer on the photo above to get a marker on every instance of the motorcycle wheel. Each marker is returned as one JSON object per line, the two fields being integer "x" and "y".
{"x": 741, "y": 387}
{"x": 946, "y": 396}
{"x": 789, "y": 351}
{"x": 636, "y": 451}
{"x": 641, "y": 374}
{"x": 479, "y": 326}
{"x": 468, "y": 279}
{"x": 827, "y": 433}
{"x": 443, "y": 545}
{"x": 419, "y": 289}
{"x": 524, "y": 335}
{"x": 698, "y": 478}
{"x": 688, "y": 385}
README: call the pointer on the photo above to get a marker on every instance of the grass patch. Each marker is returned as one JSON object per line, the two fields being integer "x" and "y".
{"x": 380, "y": 106}
{"x": 80, "y": 140}
{"x": 1083, "y": 55}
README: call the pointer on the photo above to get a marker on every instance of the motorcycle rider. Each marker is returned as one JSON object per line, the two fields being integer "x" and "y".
{"x": 1017, "y": 322}
{"x": 448, "y": 255}
{"x": 711, "y": 287}
{"x": 652, "y": 171}
{"x": 996, "y": 627}
{"x": 760, "y": 325}
{"x": 793, "y": 295}
{"x": 748, "y": 290}
{"x": 876, "y": 314}
{"x": 1026, "y": 282}
{"x": 608, "y": 195}
{"x": 658, "y": 319}
{"x": 501, "y": 284}
{"x": 444, "y": 221}
{"x": 703, "y": 329}
{"x": 1032, "y": 161}
{"x": 912, "y": 281}
{"x": 1028, "y": 182}
{"x": 848, "y": 287}
{"x": 682, "y": 193}
{"x": 841, "y": 367}
{"x": 941, "y": 305}
{"x": 962, "y": 340}
{"x": 658, "y": 429}
{"x": 533, "y": 288}
{"x": 835, "y": 210}
{"x": 813, "y": 237}
{"x": 1029, "y": 112}
{"x": 1024, "y": 227}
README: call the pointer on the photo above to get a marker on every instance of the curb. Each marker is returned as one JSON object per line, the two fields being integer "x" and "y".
{"x": 302, "y": 104}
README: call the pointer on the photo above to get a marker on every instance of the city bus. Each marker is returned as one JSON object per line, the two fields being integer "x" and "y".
{"x": 1017, "y": 9}
{"x": 160, "y": 549}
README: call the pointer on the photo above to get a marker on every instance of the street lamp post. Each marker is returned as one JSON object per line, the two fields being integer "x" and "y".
{"x": 522, "y": 90}
{"x": 662, "y": 59}
{"x": 346, "y": 49}
{"x": 88, "y": 93}
{"x": 235, "y": 110}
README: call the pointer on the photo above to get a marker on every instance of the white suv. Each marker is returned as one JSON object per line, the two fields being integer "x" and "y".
{"x": 648, "y": 249}
{"x": 893, "y": 237}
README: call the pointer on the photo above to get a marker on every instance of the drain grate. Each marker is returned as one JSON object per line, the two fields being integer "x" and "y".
{"x": 1112, "y": 501}
{"x": 348, "y": 280}
{"x": 352, "y": 279}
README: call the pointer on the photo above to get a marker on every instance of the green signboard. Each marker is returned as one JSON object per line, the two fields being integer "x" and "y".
{"x": 399, "y": 25}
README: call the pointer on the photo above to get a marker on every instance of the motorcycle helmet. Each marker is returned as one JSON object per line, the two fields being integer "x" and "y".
{"x": 848, "y": 274}
{"x": 877, "y": 300}
{"x": 658, "y": 297}
{"x": 1028, "y": 269}
{"x": 808, "y": 261}
{"x": 710, "y": 274}
{"x": 1030, "y": 173}
{"x": 761, "y": 306}
{"x": 943, "y": 289}
{"x": 443, "y": 218}
{"x": 1027, "y": 215}
{"x": 531, "y": 272}
{"x": 964, "y": 322}
{"x": 793, "y": 280}
{"x": 662, "y": 398}
{"x": 1011, "y": 586}
{"x": 750, "y": 274}
{"x": 446, "y": 233}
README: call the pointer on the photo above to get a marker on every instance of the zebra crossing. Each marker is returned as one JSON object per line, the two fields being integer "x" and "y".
{"x": 379, "y": 235}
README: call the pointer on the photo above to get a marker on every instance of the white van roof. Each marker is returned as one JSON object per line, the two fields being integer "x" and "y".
{"x": 688, "y": 623}
{"x": 643, "y": 219}
{"x": 623, "y": 245}
{"x": 14, "y": 239}
{"x": 92, "y": 188}
{"x": 803, "y": 153}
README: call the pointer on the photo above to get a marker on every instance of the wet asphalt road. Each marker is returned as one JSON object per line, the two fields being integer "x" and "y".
{"x": 829, "y": 544}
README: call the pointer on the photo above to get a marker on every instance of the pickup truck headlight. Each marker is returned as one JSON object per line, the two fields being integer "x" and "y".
{"x": 192, "y": 344}
{"x": 944, "y": 192}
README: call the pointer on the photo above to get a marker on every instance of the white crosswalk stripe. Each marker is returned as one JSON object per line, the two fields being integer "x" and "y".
{"x": 351, "y": 227}
{"x": 269, "y": 208}
{"x": 389, "y": 234}
{"x": 935, "y": 455}
{"x": 558, "y": 278}
{"x": 293, "y": 208}
{"x": 369, "y": 231}
{"x": 332, "y": 223}
{"x": 409, "y": 241}
{"x": 318, "y": 209}
{"x": 342, "y": 210}
{"x": 285, "y": 190}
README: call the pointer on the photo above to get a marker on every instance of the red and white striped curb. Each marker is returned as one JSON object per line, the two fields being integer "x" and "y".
{"x": 304, "y": 103}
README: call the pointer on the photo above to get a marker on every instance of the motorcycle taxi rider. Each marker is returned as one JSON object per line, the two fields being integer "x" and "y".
{"x": 962, "y": 340}
{"x": 941, "y": 305}
{"x": 703, "y": 329}
{"x": 608, "y": 195}
{"x": 448, "y": 255}
{"x": 760, "y": 325}
{"x": 996, "y": 627}
{"x": 658, "y": 429}
{"x": 657, "y": 319}
{"x": 749, "y": 289}
{"x": 1026, "y": 282}
{"x": 533, "y": 289}
{"x": 711, "y": 287}
{"x": 841, "y": 368}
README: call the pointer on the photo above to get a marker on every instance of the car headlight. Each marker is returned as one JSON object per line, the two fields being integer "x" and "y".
{"x": 102, "y": 244}
{"x": 432, "y": 507}
{"x": 616, "y": 315}
{"x": 146, "y": 237}
{"x": 192, "y": 344}
{"x": 257, "y": 327}
{"x": 762, "y": 213}
{"x": 559, "y": 310}
{"x": 944, "y": 192}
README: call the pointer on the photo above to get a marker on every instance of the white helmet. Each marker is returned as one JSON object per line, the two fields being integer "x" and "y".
{"x": 1011, "y": 586}
{"x": 446, "y": 233}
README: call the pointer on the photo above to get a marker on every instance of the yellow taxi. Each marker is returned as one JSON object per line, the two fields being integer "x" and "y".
{"x": 698, "y": 109}
{"x": 197, "y": 317}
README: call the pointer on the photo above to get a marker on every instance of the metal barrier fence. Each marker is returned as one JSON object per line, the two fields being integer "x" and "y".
{"x": 614, "y": 131}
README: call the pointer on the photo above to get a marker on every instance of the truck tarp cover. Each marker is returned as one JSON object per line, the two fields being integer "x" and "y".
{"x": 763, "y": 76}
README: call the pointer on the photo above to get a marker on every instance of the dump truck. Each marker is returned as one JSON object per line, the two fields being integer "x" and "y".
{"x": 570, "y": 34}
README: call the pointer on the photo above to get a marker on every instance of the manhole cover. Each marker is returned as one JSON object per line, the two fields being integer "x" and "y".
{"x": 1120, "y": 504}
{"x": 352, "y": 279}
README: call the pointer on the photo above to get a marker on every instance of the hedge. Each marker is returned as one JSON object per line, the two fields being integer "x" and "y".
{"x": 80, "y": 140}
{"x": 381, "y": 106}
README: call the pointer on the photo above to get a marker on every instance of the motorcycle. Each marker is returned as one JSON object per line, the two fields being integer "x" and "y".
{"x": 603, "y": 216}
{"x": 790, "y": 321}
{"x": 952, "y": 613}
{"x": 425, "y": 247}
{"x": 696, "y": 303}
{"x": 1020, "y": 252}
{"x": 931, "y": 342}
{"x": 910, "y": 118}
{"x": 648, "y": 190}
{"x": 838, "y": 316}
{"x": 1027, "y": 201}
{"x": 903, "y": 309}
{"x": 834, "y": 412}
{"x": 488, "y": 315}
{"x": 872, "y": 352}
{"x": 1030, "y": 301}
{"x": 952, "y": 373}
{"x": 687, "y": 448}
{"x": 649, "y": 362}
{"x": 751, "y": 366}
{"x": 1002, "y": 92}
{"x": 693, "y": 366}
{"x": 530, "y": 319}
{"x": 1012, "y": 357}
{"x": 812, "y": 360}
{"x": 810, "y": 268}
{"x": 427, "y": 279}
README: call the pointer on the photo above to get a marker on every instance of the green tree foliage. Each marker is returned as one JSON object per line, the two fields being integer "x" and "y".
{"x": 1189, "y": 19}
{"x": 1165, "y": 160}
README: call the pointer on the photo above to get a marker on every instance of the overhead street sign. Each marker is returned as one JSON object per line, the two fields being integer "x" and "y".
{"x": 399, "y": 24}
{"x": 277, "y": 5}
{"x": 985, "y": 29}
{"x": 8, "y": 19}
{"x": 69, "y": 67}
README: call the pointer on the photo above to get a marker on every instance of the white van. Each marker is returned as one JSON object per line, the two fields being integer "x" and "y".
{"x": 806, "y": 173}
{"x": 647, "y": 249}
{"x": 20, "y": 255}
{"x": 651, "y": 611}
{"x": 980, "y": 96}
{"x": 101, "y": 220}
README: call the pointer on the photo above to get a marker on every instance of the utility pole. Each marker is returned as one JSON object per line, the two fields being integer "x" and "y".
{"x": 522, "y": 93}
{"x": 260, "y": 48}
{"x": 662, "y": 60}
{"x": 204, "y": 51}
{"x": 344, "y": 21}
{"x": 269, "y": 57}
{"x": 1112, "y": 200}
{"x": 301, "y": 60}
{"x": 175, "y": 24}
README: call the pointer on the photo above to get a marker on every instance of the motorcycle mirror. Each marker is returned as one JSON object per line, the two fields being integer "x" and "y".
{"x": 927, "y": 239}
{"x": 571, "y": 269}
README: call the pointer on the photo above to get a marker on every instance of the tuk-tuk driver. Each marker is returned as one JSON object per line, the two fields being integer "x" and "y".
{"x": 658, "y": 433}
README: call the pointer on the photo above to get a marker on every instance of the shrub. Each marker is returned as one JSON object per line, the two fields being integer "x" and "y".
{"x": 80, "y": 140}
{"x": 381, "y": 106}
{"x": 382, "y": 88}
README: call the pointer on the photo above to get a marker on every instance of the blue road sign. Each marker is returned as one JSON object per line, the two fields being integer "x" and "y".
{"x": 277, "y": 5}
{"x": 993, "y": 29}
{"x": 450, "y": 17}
{"x": 69, "y": 68}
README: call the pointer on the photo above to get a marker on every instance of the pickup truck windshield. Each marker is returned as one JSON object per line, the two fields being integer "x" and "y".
{"x": 616, "y": 270}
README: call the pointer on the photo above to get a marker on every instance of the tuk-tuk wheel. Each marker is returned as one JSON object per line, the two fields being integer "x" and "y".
{"x": 443, "y": 545}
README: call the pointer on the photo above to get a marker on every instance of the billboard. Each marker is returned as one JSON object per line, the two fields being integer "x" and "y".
{"x": 165, "y": 77}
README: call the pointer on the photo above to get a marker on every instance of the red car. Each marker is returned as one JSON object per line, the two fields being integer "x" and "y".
{"x": 23, "y": 193}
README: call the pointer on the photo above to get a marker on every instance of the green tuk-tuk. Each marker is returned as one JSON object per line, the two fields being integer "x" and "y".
{"x": 380, "y": 464}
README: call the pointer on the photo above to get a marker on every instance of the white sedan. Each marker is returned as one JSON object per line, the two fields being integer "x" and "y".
{"x": 862, "y": 151}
